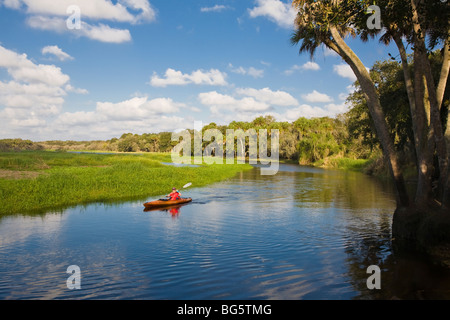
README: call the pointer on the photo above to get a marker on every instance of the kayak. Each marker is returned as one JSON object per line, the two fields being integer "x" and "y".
{"x": 165, "y": 203}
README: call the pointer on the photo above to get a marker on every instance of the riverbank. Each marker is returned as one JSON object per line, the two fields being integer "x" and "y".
{"x": 40, "y": 181}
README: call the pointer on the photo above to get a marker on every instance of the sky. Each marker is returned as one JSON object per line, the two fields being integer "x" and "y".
{"x": 95, "y": 69}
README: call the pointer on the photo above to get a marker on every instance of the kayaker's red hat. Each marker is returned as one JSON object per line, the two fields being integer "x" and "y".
{"x": 174, "y": 188}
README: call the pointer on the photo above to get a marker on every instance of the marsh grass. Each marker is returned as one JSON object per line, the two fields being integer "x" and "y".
{"x": 68, "y": 179}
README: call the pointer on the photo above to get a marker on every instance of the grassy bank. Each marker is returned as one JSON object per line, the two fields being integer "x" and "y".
{"x": 40, "y": 180}
{"x": 344, "y": 164}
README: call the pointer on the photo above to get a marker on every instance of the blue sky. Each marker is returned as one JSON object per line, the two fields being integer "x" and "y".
{"x": 146, "y": 66}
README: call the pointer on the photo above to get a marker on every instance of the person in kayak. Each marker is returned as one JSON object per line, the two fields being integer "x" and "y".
{"x": 174, "y": 195}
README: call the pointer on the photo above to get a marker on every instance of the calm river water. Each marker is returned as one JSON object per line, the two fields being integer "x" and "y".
{"x": 303, "y": 233}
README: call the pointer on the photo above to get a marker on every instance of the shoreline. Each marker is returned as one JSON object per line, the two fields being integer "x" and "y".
{"x": 63, "y": 179}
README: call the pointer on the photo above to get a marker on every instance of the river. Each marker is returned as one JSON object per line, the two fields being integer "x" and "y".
{"x": 304, "y": 233}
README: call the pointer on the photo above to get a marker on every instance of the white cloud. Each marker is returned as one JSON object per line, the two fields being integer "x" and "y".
{"x": 335, "y": 109}
{"x": 137, "y": 108}
{"x": 101, "y": 32}
{"x": 350, "y": 89}
{"x": 216, "y": 8}
{"x": 70, "y": 88}
{"x": 52, "y": 15}
{"x": 109, "y": 119}
{"x": 251, "y": 71}
{"x": 316, "y": 96}
{"x": 56, "y": 24}
{"x": 306, "y": 66}
{"x": 57, "y": 52}
{"x": 329, "y": 53}
{"x": 311, "y": 66}
{"x": 277, "y": 98}
{"x": 147, "y": 13}
{"x": 198, "y": 77}
{"x": 308, "y": 111}
{"x": 105, "y": 33}
{"x": 22, "y": 69}
{"x": 34, "y": 93}
{"x": 246, "y": 103}
{"x": 282, "y": 13}
{"x": 345, "y": 71}
{"x": 12, "y": 4}
{"x": 218, "y": 103}
{"x": 90, "y": 9}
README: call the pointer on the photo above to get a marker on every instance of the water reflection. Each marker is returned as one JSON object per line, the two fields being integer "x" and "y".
{"x": 174, "y": 210}
{"x": 304, "y": 233}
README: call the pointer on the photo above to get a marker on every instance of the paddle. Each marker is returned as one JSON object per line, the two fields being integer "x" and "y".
{"x": 187, "y": 185}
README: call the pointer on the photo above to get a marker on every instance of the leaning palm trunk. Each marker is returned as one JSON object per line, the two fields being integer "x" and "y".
{"x": 421, "y": 223}
{"x": 368, "y": 87}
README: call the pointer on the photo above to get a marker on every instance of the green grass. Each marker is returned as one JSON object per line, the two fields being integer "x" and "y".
{"x": 351, "y": 164}
{"x": 68, "y": 179}
{"x": 343, "y": 163}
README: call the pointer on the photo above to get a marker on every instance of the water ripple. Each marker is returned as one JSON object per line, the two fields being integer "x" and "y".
{"x": 296, "y": 235}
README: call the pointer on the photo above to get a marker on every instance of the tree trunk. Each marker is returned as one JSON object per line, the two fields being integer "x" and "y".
{"x": 440, "y": 90}
{"x": 419, "y": 126}
{"x": 423, "y": 67}
{"x": 376, "y": 112}
{"x": 440, "y": 97}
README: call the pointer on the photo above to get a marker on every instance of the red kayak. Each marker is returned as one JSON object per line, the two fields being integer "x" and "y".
{"x": 165, "y": 203}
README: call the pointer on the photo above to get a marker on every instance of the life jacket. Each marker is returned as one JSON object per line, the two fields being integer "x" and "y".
{"x": 174, "y": 195}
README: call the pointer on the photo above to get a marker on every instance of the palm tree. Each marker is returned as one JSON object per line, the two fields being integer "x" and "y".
{"x": 328, "y": 23}
{"x": 428, "y": 20}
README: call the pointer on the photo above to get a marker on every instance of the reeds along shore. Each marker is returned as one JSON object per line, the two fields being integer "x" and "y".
{"x": 41, "y": 181}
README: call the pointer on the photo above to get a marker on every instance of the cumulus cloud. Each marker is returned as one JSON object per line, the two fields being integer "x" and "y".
{"x": 105, "y": 33}
{"x": 316, "y": 96}
{"x": 137, "y": 108}
{"x": 251, "y": 71}
{"x": 100, "y": 32}
{"x": 146, "y": 11}
{"x": 90, "y": 9}
{"x": 218, "y": 102}
{"x": 57, "y": 52}
{"x": 246, "y": 103}
{"x": 212, "y": 77}
{"x": 345, "y": 71}
{"x": 308, "y": 111}
{"x": 277, "y": 98}
{"x": 306, "y": 66}
{"x": 22, "y": 69}
{"x": 282, "y": 13}
{"x": 52, "y": 15}
{"x": 33, "y": 92}
{"x": 109, "y": 119}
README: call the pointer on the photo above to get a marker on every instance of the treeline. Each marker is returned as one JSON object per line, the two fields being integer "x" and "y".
{"x": 305, "y": 141}
{"x": 317, "y": 141}
{"x": 19, "y": 145}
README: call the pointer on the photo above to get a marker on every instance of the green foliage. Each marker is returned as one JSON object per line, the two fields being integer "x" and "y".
{"x": 69, "y": 178}
{"x": 389, "y": 80}
{"x": 306, "y": 141}
{"x": 318, "y": 139}
{"x": 18, "y": 144}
